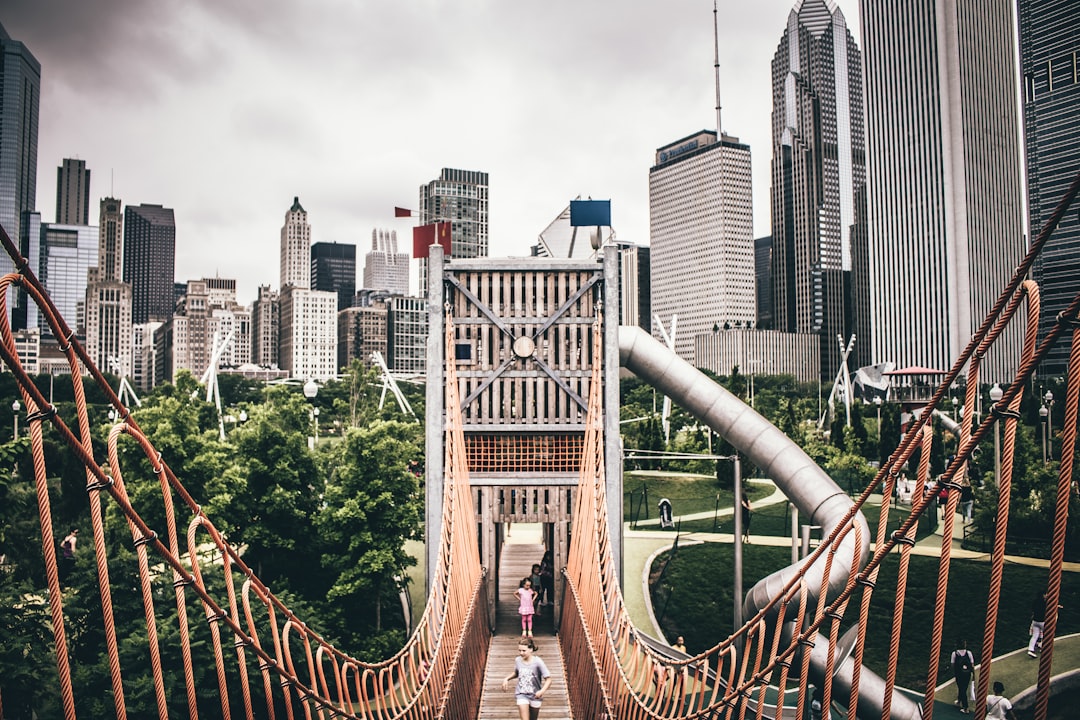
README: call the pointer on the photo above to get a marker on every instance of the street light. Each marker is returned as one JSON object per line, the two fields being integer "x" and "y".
{"x": 15, "y": 408}
{"x": 311, "y": 389}
{"x": 1045, "y": 415}
{"x": 315, "y": 420}
{"x": 1049, "y": 398}
{"x": 996, "y": 394}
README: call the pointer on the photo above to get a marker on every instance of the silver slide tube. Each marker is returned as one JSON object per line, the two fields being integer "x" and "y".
{"x": 808, "y": 487}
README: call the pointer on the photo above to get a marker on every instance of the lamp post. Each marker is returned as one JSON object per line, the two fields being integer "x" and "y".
{"x": 315, "y": 421}
{"x": 955, "y": 402}
{"x": 1044, "y": 415}
{"x": 15, "y": 408}
{"x": 1049, "y": 398}
{"x": 311, "y": 389}
{"x": 995, "y": 396}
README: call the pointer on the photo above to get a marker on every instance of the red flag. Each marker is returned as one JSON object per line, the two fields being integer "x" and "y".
{"x": 402, "y": 212}
{"x": 424, "y": 236}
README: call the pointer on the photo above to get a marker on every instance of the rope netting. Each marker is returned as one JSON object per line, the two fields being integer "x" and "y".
{"x": 437, "y": 674}
{"x": 743, "y": 675}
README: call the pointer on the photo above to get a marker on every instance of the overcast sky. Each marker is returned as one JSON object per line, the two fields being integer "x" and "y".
{"x": 225, "y": 109}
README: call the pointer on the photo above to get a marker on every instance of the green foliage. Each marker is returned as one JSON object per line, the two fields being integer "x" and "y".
{"x": 373, "y": 503}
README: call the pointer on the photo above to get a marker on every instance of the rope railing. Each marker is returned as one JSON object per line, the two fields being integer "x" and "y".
{"x": 729, "y": 679}
{"x": 438, "y": 673}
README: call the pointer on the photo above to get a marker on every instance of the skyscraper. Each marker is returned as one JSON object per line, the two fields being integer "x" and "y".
{"x": 460, "y": 196}
{"x": 20, "y": 89}
{"x": 108, "y": 297}
{"x": 701, "y": 236}
{"x": 265, "y": 334}
{"x": 1050, "y": 63}
{"x": 818, "y": 172}
{"x": 333, "y": 269}
{"x": 944, "y": 201}
{"x": 150, "y": 261}
{"x": 385, "y": 268}
{"x": 67, "y": 252}
{"x": 73, "y": 193}
{"x": 296, "y": 247}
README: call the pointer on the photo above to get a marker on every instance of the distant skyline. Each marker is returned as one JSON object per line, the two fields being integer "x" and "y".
{"x": 225, "y": 111}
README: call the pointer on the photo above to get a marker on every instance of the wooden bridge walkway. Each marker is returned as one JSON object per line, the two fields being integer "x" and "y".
{"x": 519, "y": 553}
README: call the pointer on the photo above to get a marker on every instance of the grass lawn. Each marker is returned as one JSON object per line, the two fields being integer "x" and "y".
{"x": 694, "y": 599}
{"x": 775, "y": 519}
{"x": 687, "y": 493}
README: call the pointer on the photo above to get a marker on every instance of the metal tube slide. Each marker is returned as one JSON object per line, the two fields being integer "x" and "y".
{"x": 807, "y": 486}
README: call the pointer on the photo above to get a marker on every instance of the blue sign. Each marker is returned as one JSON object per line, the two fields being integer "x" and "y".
{"x": 590, "y": 213}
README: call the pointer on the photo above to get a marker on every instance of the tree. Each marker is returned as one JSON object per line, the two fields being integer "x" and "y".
{"x": 373, "y": 503}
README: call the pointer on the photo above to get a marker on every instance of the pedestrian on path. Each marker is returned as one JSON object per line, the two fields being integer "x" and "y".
{"x": 746, "y": 514}
{"x": 1038, "y": 620}
{"x": 533, "y": 680}
{"x": 998, "y": 706}
{"x": 526, "y": 606}
{"x": 963, "y": 667}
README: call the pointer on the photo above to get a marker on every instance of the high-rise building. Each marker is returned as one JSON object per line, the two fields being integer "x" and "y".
{"x": 150, "y": 261}
{"x": 763, "y": 281}
{"x": 701, "y": 236}
{"x": 361, "y": 331}
{"x": 635, "y": 305}
{"x": 818, "y": 171}
{"x": 73, "y": 193}
{"x": 943, "y": 161}
{"x": 144, "y": 369}
{"x": 206, "y": 315}
{"x": 460, "y": 197}
{"x": 67, "y": 253}
{"x": 308, "y": 332}
{"x": 1050, "y": 64}
{"x": 333, "y": 269}
{"x": 296, "y": 247}
{"x": 265, "y": 331}
{"x": 108, "y": 297}
{"x": 386, "y": 269}
{"x": 406, "y": 335}
{"x": 20, "y": 90}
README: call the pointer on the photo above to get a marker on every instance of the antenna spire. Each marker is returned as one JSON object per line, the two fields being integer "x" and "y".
{"x": 716, "y": 70}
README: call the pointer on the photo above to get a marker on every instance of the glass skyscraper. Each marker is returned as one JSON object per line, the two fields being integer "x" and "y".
{"x": 461, "y": 197}
{"x": 333, "y": 269}
{"x": 150, "y": 261}
{"x": 818, "y": 178}
{"x": 20, "y": 90}
{"x": 1050, "y": 63}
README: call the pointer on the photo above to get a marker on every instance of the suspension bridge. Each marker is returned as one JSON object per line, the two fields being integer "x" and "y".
{"x": 523, "y": 427}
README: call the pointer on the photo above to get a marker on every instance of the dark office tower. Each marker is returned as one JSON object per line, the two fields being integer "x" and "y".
{"x": 763, "y": 281}
{"x": 150, "y": 261}
{"x": 1050, "y": 63}
{"x": 333, "y": 268}
{"x": 20, "y": 87}
{"x": 73, "y": 193}
{"x": 818, "y": 171}
{"x": 460, "y": 196}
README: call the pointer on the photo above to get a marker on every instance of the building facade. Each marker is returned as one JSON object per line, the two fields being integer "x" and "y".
{"x": 944, "y": 196}
{"x": 308, "y": 333}
{"x": 1050, "y": 64}
{"x": 108, "y": 298}
{"x": 818, "y": 174}
{"x": 759, "y": 352}
{"x": 701, "y": 236}
{"x": 265, "y": 333}
{"x": 150, "y": 261}
{"x": 20, "y": 90}
{"x": 333, "y": 269}
{"x": 296, "y": 247}
{"x": 460, "y": 197}
{"x": 635, "y": 306}
{"x": 361, "y": 331}
{"x": 406, "y": 335}
{"x": 206, "y": 315}
{"x": 73, "y": 193}
{"x": 386, "y": 269}
{"x": 763, "y": 281}
{"x": 67, "y": 253}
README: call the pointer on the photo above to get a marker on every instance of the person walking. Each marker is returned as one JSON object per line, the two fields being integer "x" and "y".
{"x": 746, "y": 514}
{"x": 533, "y": 680}
{"x": 998, "y": 706}
{"x": 963, "y": 667}
{"x": 526, "y": 606}
{"x": 1038, "y": 620}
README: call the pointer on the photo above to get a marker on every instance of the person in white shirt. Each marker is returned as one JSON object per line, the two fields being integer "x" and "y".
{"x": 998, "y": 706}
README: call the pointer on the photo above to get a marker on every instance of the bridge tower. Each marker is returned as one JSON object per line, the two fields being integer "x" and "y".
{"x": 523, "y": 352}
